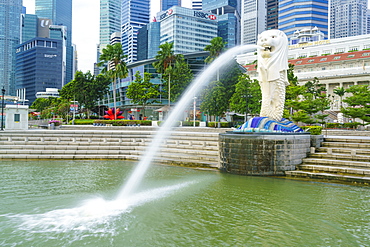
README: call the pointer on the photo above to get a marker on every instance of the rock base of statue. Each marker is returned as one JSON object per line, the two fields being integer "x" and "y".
{"x": 265, "y": 124}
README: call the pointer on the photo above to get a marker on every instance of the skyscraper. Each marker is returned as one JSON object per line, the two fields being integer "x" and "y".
{"x": 228, "y": 15}
{"x": 166, "y": 4}
{"x": 39, "y": 66}
{"x": 348, "y": 18}
{"x": 148, "y": 40}
{"x": 41, "y": 58}
{"x": 253, "y": 20}
{"x": 298, "y": 15}
{"x": 110, "y": 20}
{"x": 272, "y": 17}
{"x": 10, "y": 14}
{"x": 196, "y": 4}
{"x": 60, "y": 12}
{"x": 135, "y": 14}
{"x": 189, "y": 30}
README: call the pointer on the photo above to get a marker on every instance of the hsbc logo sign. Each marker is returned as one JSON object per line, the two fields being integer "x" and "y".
{"x": 205, "y": 15}
{"x": 198, "y": 14}
{"x": 167, "y": 13}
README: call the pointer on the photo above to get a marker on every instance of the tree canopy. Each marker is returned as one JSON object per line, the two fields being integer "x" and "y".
{"x": 358, "y": 103}
{"x": 176, "y": 73}
{"x": 247, "y": 96}
{"x": 142, "y": 91}
{"x": 86, "y": 88}
{"x": 112, "y": 58}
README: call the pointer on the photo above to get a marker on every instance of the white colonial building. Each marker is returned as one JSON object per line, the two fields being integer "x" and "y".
{"x": 336, "y": 63}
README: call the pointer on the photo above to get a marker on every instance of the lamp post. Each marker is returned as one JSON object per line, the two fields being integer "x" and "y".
{"x": 2, "y": 108}
{"x": 246, "y": 106}
{"x": 195, "y": 103}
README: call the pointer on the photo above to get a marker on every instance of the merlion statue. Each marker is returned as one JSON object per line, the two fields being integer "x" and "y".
{"x": 272, "y": 67}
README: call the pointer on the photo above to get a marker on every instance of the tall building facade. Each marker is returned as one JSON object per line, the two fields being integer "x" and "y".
{"x": 148, "y": 41}
{"x": 253, "y": 20}
{"x": 135, "y": 14}
{"x": 228, "y": 14}
{"x": 348, "y": 18}
{"x": 196, "y": 4}
{"x": 10, "y": 19}
{"x": 28, "y": 26}
{"x": 110, "y": 20}
{"x": 368, "y": 21}
{"x": 60, "y": 12}
{"x": 189, "y": 30}
{"x": 166, "y": 4}
{"x": 39, "y": 66}
{"x": 298, "y": 15}
{"x": 272, "y": 15}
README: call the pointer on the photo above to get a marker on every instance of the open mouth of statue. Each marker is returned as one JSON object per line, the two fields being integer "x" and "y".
{"x": 268, "y": 48}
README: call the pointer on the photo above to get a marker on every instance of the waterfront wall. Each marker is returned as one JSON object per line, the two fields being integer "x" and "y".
{"x": 262, "y": 153}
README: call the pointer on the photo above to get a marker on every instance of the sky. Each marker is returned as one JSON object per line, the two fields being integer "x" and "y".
{"x": 85, "y": 27}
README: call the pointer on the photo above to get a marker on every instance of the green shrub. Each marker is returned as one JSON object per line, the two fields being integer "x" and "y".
{"x": 333, "y": 125}
{"x": 82, "y": 121}
{"x": 223, "y": 124}
{"x": 124, "y": 122}
{"x": 190, "y": 123}
{"x": 353, "y": 125}
{"x": 314, "y": 130}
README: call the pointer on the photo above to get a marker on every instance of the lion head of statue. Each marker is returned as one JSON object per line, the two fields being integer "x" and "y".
{"x": 273, "y": 53}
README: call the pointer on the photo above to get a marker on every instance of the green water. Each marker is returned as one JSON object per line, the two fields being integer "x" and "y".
{"x": 72, "y": 203}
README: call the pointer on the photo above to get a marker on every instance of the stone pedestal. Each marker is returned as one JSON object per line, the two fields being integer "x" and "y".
{"x": 262, "y": 153}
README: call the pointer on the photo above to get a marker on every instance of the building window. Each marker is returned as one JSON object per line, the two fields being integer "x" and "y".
{"x": 336, "y": 58}
{"x": 17, "y": 117}
{"x": 323, "y": 59}
{"x": 299, "y": 62}
{"x": 350, "y": 56}
{"x": 310, "y": 60}
{"x": 366, "y": 54}
{"x": 323, "y": 68}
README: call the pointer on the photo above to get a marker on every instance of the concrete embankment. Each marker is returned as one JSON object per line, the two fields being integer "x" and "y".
{"x": 344, "y": 156}
{"x": 188, "y": 146}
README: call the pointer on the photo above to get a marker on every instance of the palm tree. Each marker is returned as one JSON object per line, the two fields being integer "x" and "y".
{"x": 165, "y": 60}
{"x": 112, "y": 58}
{"x": 215, "y": 48}
{"x": 340, "y": 91}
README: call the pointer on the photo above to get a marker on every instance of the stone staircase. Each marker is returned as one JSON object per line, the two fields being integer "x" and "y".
{"x": 340, "y": 158}
{"x": 181, "y": 148}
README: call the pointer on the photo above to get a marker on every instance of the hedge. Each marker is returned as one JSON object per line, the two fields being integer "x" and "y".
{"x": 190, "y": 123}
{"x": 353, "y": 125}
{"x": 223, "y": 124}
{"x": 314, "y": 130}
{"x": 82, "y": 121}
{"x": 124, "y": 122}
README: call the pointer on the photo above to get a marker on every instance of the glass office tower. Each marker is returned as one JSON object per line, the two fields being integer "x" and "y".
{"x": 10, "y": 20}
{"x": 253, "y": 20}
{"x": 166, "y": 4}
{"x": 60, "y": 12}
{"x": 135, "y": 14}
{"x": 348, "y": 18}
{"x": 189, "y": 30}
{"x": 298, "y": 15}
{"x": 110, "y": 20}
{"x": 228, "y": 12}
